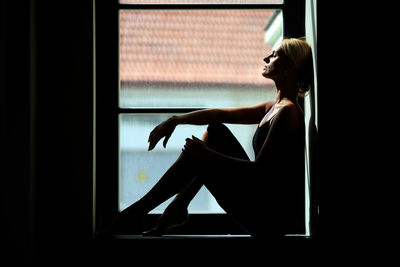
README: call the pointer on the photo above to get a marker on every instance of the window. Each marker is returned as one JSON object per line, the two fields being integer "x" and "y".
{"x": 185, "y": 59}
{"x": 175, "y": 57}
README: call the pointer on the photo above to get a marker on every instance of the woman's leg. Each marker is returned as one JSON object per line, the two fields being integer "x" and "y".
{"x": 175, "y": 180}
{"x": 217, "y": 137}
{"x": 176, "y": 213}
{"x": 179, "y": 179}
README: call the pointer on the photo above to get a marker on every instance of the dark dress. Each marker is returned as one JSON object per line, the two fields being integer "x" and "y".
{"x": 288, "y": 181}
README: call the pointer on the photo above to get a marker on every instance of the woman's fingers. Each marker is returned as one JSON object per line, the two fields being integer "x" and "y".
{"x": 163, "y": 130}
{"x": 153, "y": 140}
{"x": 152, "y": 135}
{"x": 156, "y": 135}
{"x": 151, "y": 145}
{"x": 166, "y": 140}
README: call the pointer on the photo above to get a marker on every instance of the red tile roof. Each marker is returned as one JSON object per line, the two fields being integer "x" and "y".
{"x": 207, "y": 46}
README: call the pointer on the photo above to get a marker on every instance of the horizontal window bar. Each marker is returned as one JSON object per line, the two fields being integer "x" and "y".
{"x": 199, "y": 6}
{"x": 156, "y": 110}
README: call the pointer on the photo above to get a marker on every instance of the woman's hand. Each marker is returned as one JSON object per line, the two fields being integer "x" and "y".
{"x": 164, "y": 129}
{"x": 195, "y": 148}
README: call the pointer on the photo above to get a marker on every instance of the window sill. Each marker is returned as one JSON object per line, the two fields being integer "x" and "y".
{"x": 196, "y": 237}
{"x": 214, "y": 237}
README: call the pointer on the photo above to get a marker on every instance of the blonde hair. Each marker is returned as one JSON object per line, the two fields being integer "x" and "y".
{"x": 299, "y": 52}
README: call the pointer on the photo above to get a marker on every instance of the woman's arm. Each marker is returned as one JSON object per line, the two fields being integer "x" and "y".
{"x": 242, "y": 115}
{"x": 282, "y": 125}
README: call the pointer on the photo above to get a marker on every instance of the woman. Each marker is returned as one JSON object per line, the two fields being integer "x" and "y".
{"x": 272, "y": 184}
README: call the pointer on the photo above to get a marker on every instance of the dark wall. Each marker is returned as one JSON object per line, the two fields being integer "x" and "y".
{"x": 336, "y": 124}
{"x": 63, "y": 67}
{"x": 46, "y": 135}
{"x": 14, "y": 135}
{"x": 357, "y": 126}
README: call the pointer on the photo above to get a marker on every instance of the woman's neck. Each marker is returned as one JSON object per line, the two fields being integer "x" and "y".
{"x": 282, "y": 96}
{"x": 286, "y": 89}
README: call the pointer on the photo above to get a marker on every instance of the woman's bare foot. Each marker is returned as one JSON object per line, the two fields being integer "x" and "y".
{"x": 172, "y": 217}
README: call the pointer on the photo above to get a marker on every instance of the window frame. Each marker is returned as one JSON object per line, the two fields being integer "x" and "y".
{"x": 107, "y": 110}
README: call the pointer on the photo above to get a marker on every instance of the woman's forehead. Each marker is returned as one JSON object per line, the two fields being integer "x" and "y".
{"x": 278, "y": 51}
{"x": 277, "y": 46}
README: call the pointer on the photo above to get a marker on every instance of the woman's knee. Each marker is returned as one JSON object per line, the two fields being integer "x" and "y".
{"x": 220, "y": 138}
{"x": 205, "y": 135}
{"x": 216, "y": 131}
{"x": 216, "y": 128}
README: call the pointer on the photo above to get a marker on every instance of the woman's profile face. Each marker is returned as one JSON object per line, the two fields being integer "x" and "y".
{"x": 276, "y": 63}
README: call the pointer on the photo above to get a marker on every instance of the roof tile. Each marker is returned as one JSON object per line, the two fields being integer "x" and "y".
{"x": 210, "y": 46}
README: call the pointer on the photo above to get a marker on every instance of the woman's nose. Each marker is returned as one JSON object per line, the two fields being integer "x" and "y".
{"x": 266, "y": 60}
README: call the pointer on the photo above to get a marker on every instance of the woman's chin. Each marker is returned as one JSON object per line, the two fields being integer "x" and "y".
{"x": 265, "y": 75}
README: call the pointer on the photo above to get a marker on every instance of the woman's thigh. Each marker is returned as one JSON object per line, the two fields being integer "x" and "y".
{"x": 221, "y": 139}
{"x": 242, "y": 194}
{"x": 226, "y": 185}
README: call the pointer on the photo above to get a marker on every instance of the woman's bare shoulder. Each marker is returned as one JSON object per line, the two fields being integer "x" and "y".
{"x": 291, "y": 114}
{"x": 265, "y": 105}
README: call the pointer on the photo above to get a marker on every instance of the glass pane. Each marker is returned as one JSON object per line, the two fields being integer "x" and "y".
{"x": 196, "y": 58}
{"x": 141, "y": 169}
{"x": 201, "y": 1}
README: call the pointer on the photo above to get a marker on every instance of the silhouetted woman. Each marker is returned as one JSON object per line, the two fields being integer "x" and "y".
{"x": 265, "y": 196}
